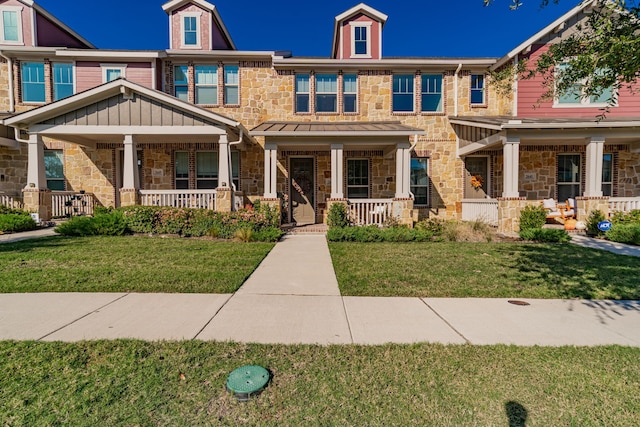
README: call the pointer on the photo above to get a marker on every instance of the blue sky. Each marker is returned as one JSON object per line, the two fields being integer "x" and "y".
{"x": 423, "y": 28}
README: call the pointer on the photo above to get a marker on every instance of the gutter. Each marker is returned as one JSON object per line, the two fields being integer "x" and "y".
{"x": 455, "y": 89}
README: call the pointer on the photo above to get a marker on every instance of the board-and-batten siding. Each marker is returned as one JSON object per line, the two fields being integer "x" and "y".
{"x": 118, "y": 111}
{"x": 529, "y": 92}
{"x": 89, "y": 74}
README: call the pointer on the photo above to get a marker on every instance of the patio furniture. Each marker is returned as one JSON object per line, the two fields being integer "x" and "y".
{"x": 562, "y": 211}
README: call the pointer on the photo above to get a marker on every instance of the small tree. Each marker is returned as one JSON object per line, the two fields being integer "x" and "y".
{"x": 337, "y": 216}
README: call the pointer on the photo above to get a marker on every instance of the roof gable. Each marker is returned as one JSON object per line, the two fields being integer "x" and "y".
{"x": 62, "y": 27}
{"x": 218, "y": 27}
{"x": 362, "y": 13}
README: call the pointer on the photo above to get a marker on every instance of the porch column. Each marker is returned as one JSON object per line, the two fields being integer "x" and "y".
{"x": 224, "y": 175}
{"x": 270, "y": 170}
{"x": 595, "y": 150}
{"x": 511, "y": 150}
{"x": 36, "y": 177}
{"x": 337, "y": 171}
{"x": 403, "y": 170}
{"x": 130, "y": 180}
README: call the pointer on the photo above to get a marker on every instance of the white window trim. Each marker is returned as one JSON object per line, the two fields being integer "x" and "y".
{"x": 346, "y": 177}
{"x": 427, "y": 185}
{"x": 413, "y": 93}
{"x": 354, "y": 25}
{"x": 317, "y": 92}
{"x": 105, "y": 67}
{"x": 341, "y": 83}
{"x": 73, "y": 75}
{"x": 198, "y": 44}
{"x": 484, "y": 90}
{"x": 442, "y": 98}
{"x": 196, "y": 85}
{"x": 18, "y": 10}
{"x": 585, "y": 101}
{"x": 578, "y": 182}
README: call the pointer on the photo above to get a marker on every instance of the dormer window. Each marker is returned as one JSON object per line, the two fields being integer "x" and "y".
{"x": 11, "y": 23}
{"x": 190, "y": 29}
{"x": 361, "y": 39}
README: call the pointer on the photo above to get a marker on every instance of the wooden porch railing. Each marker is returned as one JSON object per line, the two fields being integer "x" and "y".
{"x": 10, "y": 202}
{"x": 369, "y": 211}
{"x": 623, "y": 204}
{"x": 202, "y": 199}
{"x": 69, "y": 203}
{"x": 485, "y": 210}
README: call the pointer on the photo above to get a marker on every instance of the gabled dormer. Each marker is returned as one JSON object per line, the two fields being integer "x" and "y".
{"x": 358, "y": 33}
{"x": 196, "y": 25}
{"x": 25, "y": 23}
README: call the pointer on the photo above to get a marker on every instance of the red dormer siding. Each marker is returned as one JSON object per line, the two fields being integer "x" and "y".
{"x": 211, "y": 32}
{"x": 204, "y": 27}
{"x": 529, "y": 92}
{"x": 374, "y": 32}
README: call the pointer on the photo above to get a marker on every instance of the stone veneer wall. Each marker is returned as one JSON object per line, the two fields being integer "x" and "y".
{"x": 13, "y": 170}
{"x": 89, "y": 169}
{"x": 629, "y": 174}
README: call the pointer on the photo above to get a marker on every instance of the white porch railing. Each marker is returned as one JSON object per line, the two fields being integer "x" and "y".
{"x": 480, "y": 209}
{"x": 369, "y": 211}
{"x": 10, "y": 202}
{"x": 623, "y": 204}
{"x": 69, "y": 203}
{"x": 202, "y": 199}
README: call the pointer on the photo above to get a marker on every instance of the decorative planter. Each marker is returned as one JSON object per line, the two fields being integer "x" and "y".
{"x": 570, "y": 224}
{"x": 581, "y": 225}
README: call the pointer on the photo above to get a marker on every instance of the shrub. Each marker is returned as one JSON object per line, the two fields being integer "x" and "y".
{"x": 105, "y": 223}
{"x": 433, "y": 225}
{"x": 631, "y": 217}
{"x": 268, "y": 234}
{"x": 625, "y": 233}
{"x": 15, "y": 222}
{"x": 337, "y": 216}
{"x": 545, "y": 235}
{"x": 77, "y": 226}
{"x": 473, "y": 231}
{"x": 532, "y": 216}
{"x": 372, "y": 233}
{"x": 243, "y": 234}
{"x": 594, "y": 218}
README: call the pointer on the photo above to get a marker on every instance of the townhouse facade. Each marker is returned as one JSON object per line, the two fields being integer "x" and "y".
{"x": 202, "y": 124}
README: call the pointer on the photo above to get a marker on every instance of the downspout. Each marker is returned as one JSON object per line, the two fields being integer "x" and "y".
{"x": 415, "y": 142}
{"x": 455, "y": 89}
{"x": 17, "y": 136}
{"x": 12, "y": 102}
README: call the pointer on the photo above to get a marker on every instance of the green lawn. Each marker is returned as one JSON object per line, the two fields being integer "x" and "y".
{"x": 127, "y": 264}
{"x": 137, "y": 383}
{"x": 490, "y": 270}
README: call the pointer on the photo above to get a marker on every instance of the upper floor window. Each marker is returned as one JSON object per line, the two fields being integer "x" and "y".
{"x": 33, "y": 83}
{"x": 206, "y": 84}
{"x": 431, "y": 93}
{"x": 302, "y": 93}
{"x": 231, "y": 85}
{"x": 361, "y": 39}
{"x": 11, "y": 22}
{"x": 477, "y": 89}
{"x": 62, "y": 81}
{"x": 112, "y": 72}
{"x": 327, "y": 93}
{"x": 181, "y": 82}
{"x": 575, "y": 97}
{"x": 190, "y": 29}
{"x": 403, "y": 93}
{"x": 349, "y": 93}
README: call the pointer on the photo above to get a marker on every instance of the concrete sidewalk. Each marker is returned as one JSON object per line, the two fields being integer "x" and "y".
{"x": 293, "y": 297}
{"x": 25, "y": 235}
{"x": 606, "y": 245}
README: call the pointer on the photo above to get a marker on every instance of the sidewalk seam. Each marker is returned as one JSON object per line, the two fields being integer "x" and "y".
{"x": 346, "y": 315}
{"x": 446, "y": 321}
{"x": 213, "y": 317}
{"x": 83, "y": 316}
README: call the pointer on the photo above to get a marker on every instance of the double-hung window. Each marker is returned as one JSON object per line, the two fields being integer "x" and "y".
{"x": 54, "y": 169}
{"x": 403, "y": 93}
{"x": 477, "y": 89}
{"x": 420, "y": 180}
{"x": 206, "y": 84}
{"x": 361, "y": 40}
{"x": 569, "y": 174}
{"x": 574, "y": 96}
{"x": 181, "y": 170}
{"x": 33, "y": 84}
{"x": 350, "y": 93}
{"x": 302, "y": 93}
{"x": 607, "y": 175}
{"x": 11, "y": 24}
{"x": 357, "y": 178}
{"x": 190, "y": 32}
{"x": 181, "y": 82}
{"x": 231, "y": 85}
{"x": 206, "y": 170}
{"x": 62, "y": 81}
{"x": 327, "y": 93}
{"x": 431, "y": 93}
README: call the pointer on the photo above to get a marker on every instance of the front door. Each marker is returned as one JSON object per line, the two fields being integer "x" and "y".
{"x": 302, "y": 188}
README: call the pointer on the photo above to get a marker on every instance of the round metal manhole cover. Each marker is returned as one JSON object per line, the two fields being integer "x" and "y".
{"x": 517, "y": 302}
{"x": 247, "y": 381}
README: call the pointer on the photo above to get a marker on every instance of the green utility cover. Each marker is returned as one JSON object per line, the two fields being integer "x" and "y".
{"x": 248, "y": 380}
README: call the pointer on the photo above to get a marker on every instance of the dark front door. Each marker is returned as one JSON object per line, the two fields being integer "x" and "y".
{"x": 302, "y": 188}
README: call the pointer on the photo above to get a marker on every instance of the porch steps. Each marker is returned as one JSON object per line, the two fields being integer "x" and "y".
{"x": 305, "y": 229}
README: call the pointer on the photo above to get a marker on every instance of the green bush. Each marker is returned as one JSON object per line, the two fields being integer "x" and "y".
{"x": 372, "y": 233}
{"x": 15, "y": 222}
{"x": 268, "y": 234}
{"x": 532, "y": 216}
{"x": 77, "y": 226}
{"x": 105, "y": 223}
{"x": 545, "y": 235}
{"x": 337, "y": 216}
{"x": 631, "y": 217}
{"x": 435, "y": 226}
{"x": 594, "y": 218}
{"x": 625, "y": 233}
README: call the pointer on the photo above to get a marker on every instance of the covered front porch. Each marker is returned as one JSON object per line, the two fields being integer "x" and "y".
{"x": 514, "y": 162}
{"x": 365, "y": 165}
{"x": 122, "y": 144}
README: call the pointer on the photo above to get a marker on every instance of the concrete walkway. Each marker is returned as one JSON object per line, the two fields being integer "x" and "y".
{"x": 605, "y": 245}
{"x": 293, "y": 297}
{"x": 25, "y": 235}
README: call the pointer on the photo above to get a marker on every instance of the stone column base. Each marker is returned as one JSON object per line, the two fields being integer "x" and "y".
{"x": 129, "y": 197}
{"x": 224, "y": 199}
{"x": 586, "y": 205}
{"x": 38, "y": 201}
{"x": 509, "y": 213}
{"x": 403, "y": 210}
